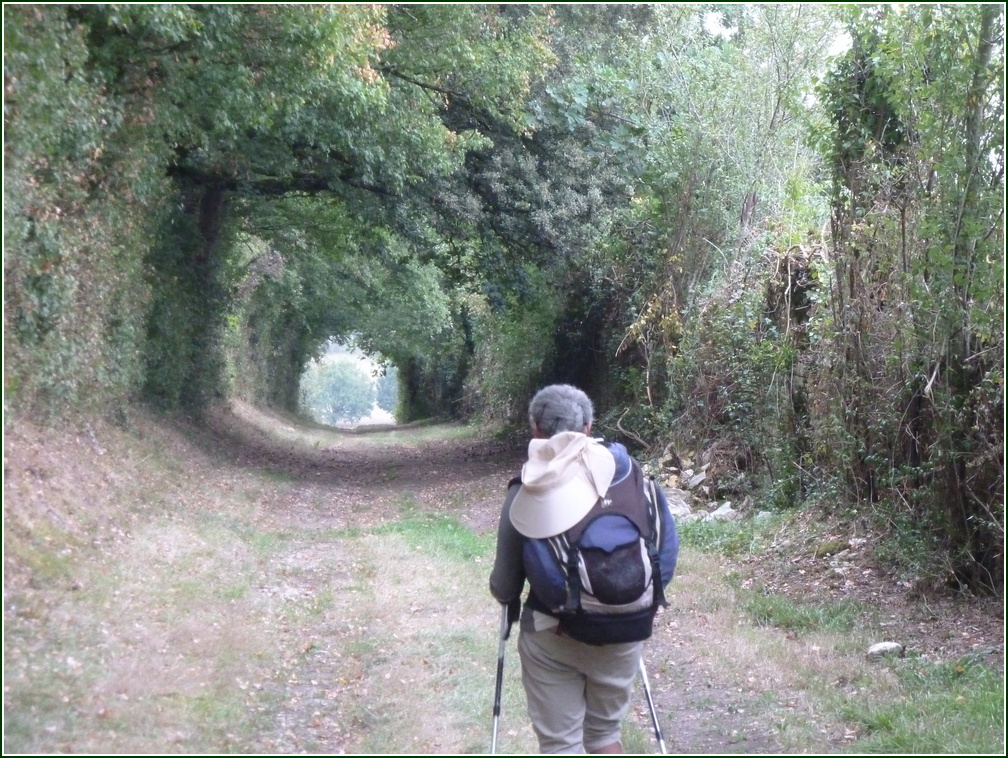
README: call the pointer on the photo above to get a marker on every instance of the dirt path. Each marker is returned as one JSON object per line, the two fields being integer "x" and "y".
{"x": 262, "y": 588}
{"x": 701, "y": 711}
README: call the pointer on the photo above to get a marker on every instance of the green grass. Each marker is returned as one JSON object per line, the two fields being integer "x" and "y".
{"x": 314, "y": 435}
{"x": 956, "y": 707}
{"x": 38, "y": 554}
{"x": 431, "y": 432}
{"x": 638, "y": 741}
{"x": 279, "y": 476}
{"x": 728, "y": 538}
{"x": 777, "y": 611}
{"x": 32, "y": 712}
{"x": 923, "y": 707}
{"x": 440, "y": 537}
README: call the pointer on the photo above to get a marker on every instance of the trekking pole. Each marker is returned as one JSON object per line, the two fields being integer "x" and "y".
{"x": 654, "y": 713}
{"x": 500, "y": 676}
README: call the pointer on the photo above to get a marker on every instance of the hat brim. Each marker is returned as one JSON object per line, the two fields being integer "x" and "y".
{"x": 545, "y": 514}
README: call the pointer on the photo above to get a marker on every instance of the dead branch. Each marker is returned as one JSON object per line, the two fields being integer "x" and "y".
{"x": 631, "y": 435}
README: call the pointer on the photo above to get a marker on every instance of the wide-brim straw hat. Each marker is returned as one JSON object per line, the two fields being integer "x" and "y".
{"x": 563, "y": 478}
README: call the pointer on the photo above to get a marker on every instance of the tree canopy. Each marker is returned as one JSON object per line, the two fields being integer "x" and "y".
{"x": 735, "y": 232}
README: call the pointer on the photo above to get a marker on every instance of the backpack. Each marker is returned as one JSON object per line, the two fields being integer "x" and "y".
{"x": 602, "y": 577}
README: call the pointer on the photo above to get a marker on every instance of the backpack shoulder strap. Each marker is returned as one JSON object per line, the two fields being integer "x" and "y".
{"x": 568, "y": 554}
{"x": 623, "y": 498}
{"x": 653, "y": 540}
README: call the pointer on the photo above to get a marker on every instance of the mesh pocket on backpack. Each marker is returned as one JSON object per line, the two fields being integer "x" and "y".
{"x": 615, "y": 578}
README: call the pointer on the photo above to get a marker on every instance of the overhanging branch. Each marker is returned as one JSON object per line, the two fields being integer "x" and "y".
{"x": 301, "y": 183}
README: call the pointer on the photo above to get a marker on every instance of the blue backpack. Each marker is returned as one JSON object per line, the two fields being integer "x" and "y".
{"x": 602, "y": 577}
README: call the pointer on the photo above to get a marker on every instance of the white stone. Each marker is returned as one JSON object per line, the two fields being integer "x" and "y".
{"x": 724, "y": 513}
{"x": 881, "y": 649}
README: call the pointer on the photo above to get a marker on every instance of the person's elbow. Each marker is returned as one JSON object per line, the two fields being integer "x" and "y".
{"x": 503, "y": 592}
{"x": 496, "y": 593}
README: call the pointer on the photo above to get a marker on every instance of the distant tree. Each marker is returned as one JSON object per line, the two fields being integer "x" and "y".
{"x": 387, "y": 387}
{"x": 338, "y": 390}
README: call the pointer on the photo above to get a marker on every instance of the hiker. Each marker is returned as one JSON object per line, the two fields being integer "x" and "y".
{"x": 578, "y": 692}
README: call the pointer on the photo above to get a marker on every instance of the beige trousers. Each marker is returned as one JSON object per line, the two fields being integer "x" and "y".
{"x": 578, "y": 694}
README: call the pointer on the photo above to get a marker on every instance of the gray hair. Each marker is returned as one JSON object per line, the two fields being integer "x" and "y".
{"x": 560, "y": 408}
